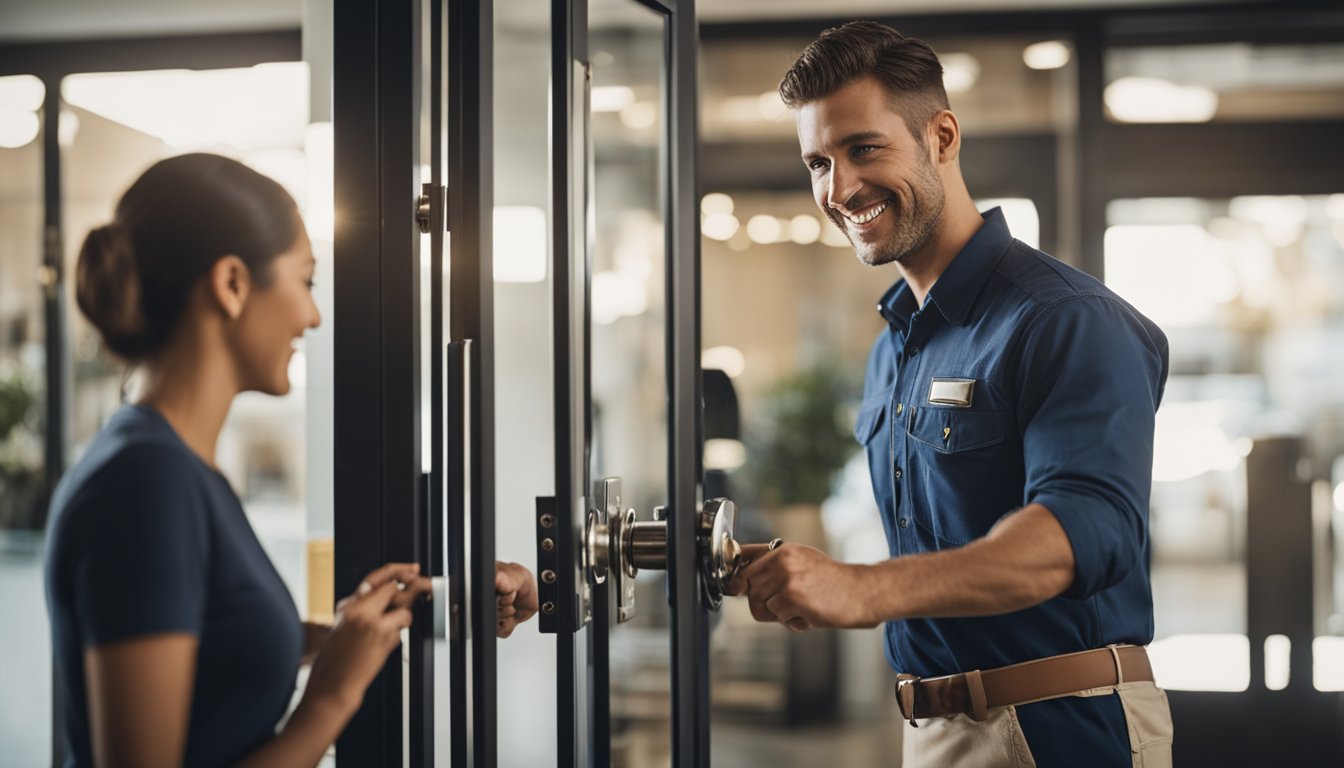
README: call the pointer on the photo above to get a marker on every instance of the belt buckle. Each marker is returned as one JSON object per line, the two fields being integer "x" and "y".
{"x": 905, "y": 696}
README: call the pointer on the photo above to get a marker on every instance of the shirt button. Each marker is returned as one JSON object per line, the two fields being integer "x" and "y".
{"x": 905, "y": 522}
{"x": 899, "y": 407}
{"x": 914, "y": 351}
{"x": 898, "y": 473}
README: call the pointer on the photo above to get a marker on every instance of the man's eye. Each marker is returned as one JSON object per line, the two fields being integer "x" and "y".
{"x": 864, "y": 149}
{"x": 817, "y": 165}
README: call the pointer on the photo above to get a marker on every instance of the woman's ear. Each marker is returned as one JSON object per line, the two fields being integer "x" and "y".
{"x": 230, "y": 283}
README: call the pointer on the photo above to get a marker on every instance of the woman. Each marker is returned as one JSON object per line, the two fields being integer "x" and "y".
{"x": 175, "y": 639}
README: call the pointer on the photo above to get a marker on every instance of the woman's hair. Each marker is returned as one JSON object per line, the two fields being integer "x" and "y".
{"x": 134, "y": 275}
{"x": 906, "y": 67}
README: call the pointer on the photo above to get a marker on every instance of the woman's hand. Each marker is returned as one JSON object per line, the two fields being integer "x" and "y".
{"x": 515, "y": 597}
{"x": 367, "y": 628}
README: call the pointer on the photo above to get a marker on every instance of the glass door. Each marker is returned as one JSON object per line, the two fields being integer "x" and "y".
{"x": 414, "y": 469}
{"x": 631, "y": 558}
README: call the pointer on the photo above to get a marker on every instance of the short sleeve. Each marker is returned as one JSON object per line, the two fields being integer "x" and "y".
{"x": 142, "y": 560}
{"x": 1091, "y": 378}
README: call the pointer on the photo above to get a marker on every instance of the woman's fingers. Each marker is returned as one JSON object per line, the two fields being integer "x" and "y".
{"x": 411, "y": 591}
{"x": 403, "y": 572}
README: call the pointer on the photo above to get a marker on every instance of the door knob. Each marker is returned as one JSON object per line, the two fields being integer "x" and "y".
{"x": 617, "y": 545}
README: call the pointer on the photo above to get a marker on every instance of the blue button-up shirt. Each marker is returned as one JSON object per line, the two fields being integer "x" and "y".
{"x": 1020, "y": 380}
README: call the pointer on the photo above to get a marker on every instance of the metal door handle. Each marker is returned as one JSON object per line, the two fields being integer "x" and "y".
{"x": 617, "y": 545}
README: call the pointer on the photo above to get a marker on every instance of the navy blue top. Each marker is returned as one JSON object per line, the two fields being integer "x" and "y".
{"x": 1048, "y": 383}
{"x": 145, "y": 539}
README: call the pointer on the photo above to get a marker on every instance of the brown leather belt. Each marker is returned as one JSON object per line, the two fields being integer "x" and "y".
{"x": 975, "y": 693}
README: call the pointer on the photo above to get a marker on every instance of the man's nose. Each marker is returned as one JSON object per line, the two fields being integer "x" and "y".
{"x": 843, "y": 186}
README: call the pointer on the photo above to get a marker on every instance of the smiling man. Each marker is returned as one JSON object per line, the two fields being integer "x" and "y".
{"x": 1008, "y": 421}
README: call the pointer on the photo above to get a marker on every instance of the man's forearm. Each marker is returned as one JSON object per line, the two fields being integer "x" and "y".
{"x": 1023, "y": 561}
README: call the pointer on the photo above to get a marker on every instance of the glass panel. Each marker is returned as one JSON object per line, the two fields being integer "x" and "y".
{"x": 629, "y": 327}
{"x": 122, "y": 123}
{"x": 25, "y": 676}
{"x": 1257, "y": 339}
{"x": 1228, "y": 81}
{"x": 524, "y": 374}
{"x": 115, "y": 125}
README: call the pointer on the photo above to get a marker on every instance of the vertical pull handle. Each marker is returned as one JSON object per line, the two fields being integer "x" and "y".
{"x": 457, "y": 492}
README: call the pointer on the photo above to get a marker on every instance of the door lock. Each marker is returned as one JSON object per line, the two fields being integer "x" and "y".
{"x": 617, "y": 545}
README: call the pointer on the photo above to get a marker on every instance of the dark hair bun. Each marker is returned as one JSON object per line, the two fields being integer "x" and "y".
{"x": 107, "y": 288}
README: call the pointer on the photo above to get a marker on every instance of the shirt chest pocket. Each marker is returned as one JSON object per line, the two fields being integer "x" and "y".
{"x": 871, "y": 415}
{"x": 958, "y": 471}
{"x": 951, "y": 430}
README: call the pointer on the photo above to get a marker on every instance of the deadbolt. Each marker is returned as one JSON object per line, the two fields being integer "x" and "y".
{"x": 617, "y": 546}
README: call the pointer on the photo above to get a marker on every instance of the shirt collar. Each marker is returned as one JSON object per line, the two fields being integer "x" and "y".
{"x": 956, "y": 289}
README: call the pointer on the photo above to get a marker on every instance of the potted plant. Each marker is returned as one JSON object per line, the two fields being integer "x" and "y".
{"x": 20, "y": 450}
{"x": 799, "y": 439}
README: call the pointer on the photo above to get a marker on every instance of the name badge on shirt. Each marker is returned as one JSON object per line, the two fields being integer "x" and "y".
{"x": 954, "y": 392}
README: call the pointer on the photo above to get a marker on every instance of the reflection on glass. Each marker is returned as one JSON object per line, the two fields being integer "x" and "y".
{"x": 524, "y": 391}
{"x": 25, "y": 679}
{"x": 1251, "y": 294}
{"x": 120, "y": 124}
{"x": 629, "y": 324}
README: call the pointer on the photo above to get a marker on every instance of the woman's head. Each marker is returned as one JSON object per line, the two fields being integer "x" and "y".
{"x": 201, "y": 234}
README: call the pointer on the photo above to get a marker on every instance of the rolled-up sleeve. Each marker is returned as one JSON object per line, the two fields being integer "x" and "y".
{"x": 1091, "y": 376}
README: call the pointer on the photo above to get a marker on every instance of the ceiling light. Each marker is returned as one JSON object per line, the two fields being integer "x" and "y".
{"x": 21, "y": 93}
{"x": 719, "y": 226}
{"x": 1154, "y": 100}
{"x": 17, "y": 129}
{"x": 764, "y": 229}
{"x": 730, "y": 360}
{"x": 716, "y": 202}
{"x": 804, "y": 229}
{"x": 960, "y": 71}
{"x": 1051, "y": 54}
{"x": 612, "y": 98}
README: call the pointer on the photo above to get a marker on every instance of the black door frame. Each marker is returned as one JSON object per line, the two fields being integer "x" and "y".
{"x": 583, "y": 690}
{"x": 389, "y": 59}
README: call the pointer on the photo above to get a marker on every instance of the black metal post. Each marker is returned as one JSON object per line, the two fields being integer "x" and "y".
{"x": 690, "y": 620}
{"x": 377, "y": 393}
{"x": 471, "y": 195}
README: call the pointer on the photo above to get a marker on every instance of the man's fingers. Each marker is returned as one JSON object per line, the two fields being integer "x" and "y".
{"x": 509, "y": 577}
{"x": 505, "y": 612}
{"x": 798, "y": 624}
{"x": 758, "y": 610}
{"x": 503, "y": 599}
{"x": 736, "y": 585}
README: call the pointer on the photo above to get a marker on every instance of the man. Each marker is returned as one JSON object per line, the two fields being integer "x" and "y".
{"x": 1008, "y": 421}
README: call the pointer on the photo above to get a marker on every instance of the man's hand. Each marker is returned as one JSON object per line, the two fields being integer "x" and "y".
{"x": 515, "y": 597}
{"x": 801, "y": 588}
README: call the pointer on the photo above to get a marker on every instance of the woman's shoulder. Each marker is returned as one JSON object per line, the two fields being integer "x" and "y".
{"x": 134, "y": 461}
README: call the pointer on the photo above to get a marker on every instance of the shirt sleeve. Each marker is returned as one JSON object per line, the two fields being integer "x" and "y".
{"x": 1091, "y": 378}
{"x": 143, "y": 549}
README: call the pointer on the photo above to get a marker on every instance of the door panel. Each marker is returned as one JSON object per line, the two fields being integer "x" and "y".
{"x": 625, "y": 547}
{"x": 628, "y": 330}
{"x": 414, "y": 476}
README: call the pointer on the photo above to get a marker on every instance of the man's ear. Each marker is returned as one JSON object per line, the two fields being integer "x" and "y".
{"x": 945, "y": 136}
{"x": 230, "y": 283}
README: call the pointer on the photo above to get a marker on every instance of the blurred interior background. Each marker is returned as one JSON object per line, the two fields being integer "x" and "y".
{"x": 1189, "y": 153}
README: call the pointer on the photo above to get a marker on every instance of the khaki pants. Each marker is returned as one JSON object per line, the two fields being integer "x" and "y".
{"x": 999, "y": 743}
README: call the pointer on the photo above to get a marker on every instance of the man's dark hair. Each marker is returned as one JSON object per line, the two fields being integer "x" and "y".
{"x": 906, "y": 67}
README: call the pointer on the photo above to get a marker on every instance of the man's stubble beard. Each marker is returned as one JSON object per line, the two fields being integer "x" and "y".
{"x": 907, "y": 237}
